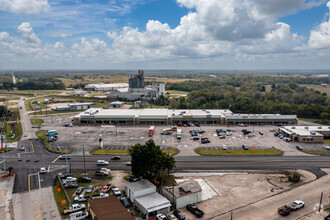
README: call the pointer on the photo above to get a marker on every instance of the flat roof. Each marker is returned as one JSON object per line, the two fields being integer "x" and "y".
{"x": 140, "y": 185}
{"x": 306, "y": 130}
{"x": 77, "y": 104}
{"x": 116, "y": 103}
{"x": 260, "y": 117}
{"x": 153, "y": 202}
{"x": 185, "y": 188}
{"x": 109, "y": 208}
{"x": 109, "y": 85}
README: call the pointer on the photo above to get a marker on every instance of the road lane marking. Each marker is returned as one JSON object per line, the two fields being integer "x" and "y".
{"x": 31, "y": 145}
{"x": 29, "y": 182}
{"x": 37, "y": 216}
{"x": 39, "y": 210}
{"x": 36, "y": 205}
{"x": 56, "y": 159}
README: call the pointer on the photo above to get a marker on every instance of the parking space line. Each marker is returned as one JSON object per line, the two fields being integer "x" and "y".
{"x": 36, "y": 205}
{"x": 37, "y": 216}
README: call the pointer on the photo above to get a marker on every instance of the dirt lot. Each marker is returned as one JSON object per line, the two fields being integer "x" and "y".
{"x": 126, "y": 136}
{"x": 236, "y": 190}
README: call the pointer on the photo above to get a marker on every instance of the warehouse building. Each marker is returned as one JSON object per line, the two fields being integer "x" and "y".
{"x": 306, "y": 134}
{"x": 106, "y": 87}
{"x": 139, "y": 188}
{"x": 186, "y": 192}
{"x": 259, "y": 119}
{"x": 151, "y": 116}
{"x": 74, "y": 107}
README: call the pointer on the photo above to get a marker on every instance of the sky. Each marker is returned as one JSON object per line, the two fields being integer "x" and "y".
{"x": 165, "y": 34}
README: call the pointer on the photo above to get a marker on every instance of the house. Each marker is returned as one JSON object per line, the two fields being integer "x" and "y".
{"x": 139, "y": 188}
{"x": 186, "y": 192}
{"x": 108, "y": 208}
{"x": 116, "y": 104}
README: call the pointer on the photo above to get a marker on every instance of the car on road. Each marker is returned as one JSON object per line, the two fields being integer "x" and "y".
{"x": 90, "y": 189}
{"x": 179, "y": 214}
{"x": 66, "y": 124}
{"x": 284, "y": 210}
{"x": 326, "y": 147}
{"x": 20, "y": 107}
{"x": 161, "y": 217}
{"x": 106, "y": 188}
{"x": 25, "y": 135}
{"x": 197, "y": 125}
{"x": 125, "y": 202}
{"x": 42, "y": 170}
{"x": 194, "y": 210}
{"x": 70, "y": 125}
{"x": 297, "y": 204}
{"x": 205, "y": 140}
{"x": 78, "y": 215}
{"x": 201, "y": 131}
{"x": 36, "y": 126}
{"x": 245, "y": 147}
{"x": 102, "y": 163}
{"x": 64, "y": 157}
{"x": 115, "y": 158}
{"x": 222, "y": 137}
{"x": 299, "y": 147}
{"x": 224, "y": 147}
{"x": 79, "y": 190}
{"x": 116, "y": 191}
{"x": 84, "y": 180}
{"x": 73, "y": 208}
{"x": 22, "y": 148}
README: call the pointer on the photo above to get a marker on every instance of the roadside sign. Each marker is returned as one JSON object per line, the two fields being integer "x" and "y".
{"x": 59, "y": 190}
{"x": 63, "y": 201}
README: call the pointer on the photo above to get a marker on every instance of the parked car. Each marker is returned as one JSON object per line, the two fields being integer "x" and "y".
{"x": 250, "y": 135}
{"x": 78, "y": 215}
{"x": 90, "y": 189}
{"x": 261, "y": 133}
{"x": 184, "y": 125}
{"x": 197, "y": 125}
{"x": 84, "y": 180}
{"x": 284, "y": 210}
{"x": 125, "y": 202}
{"x": 22, "y": 148}
{"x": 179, "y": 214}
{"x": 224, "y": 147}
{"x": 42, "y": 170}
{"x": 161, "y": 217}
{"x": 106, "y": 188}
{"x": 64, "y": 157}
{"x": 63, "y": 177}
{"x": 241, "y": 125}
{"x": 194, "y": 210}
{"x": 326, "y": 147}
{"x": 102, "y": 163}
{"x": 116, "y": 191}
{"x": 297, "y": 204}
{"x": 228, "y": 133}
{"x": 79, "y": 190}
{"x": 81, "y": 198}
{"x": 201, "y": 131}
{"x": 171, "y": 217}
{"x": 134, "y": 179}
{"x": 101, "y": 195}
{"x": 70, "y": 185}
{"x": 327, "y": 217}
{"x": 66, "y": 124}
{"x": 299, "y": 147}
{"x": 73, "y": 208}
{"x": 288, "y": 140}
{"x": 245, "y": 147}
{"x": 222, "y": 137}
{"x": 115, "y": 158}
{"x": 195, "y": 138}
{"x": 205, "y": 140}
{"x": 36, "y": 126}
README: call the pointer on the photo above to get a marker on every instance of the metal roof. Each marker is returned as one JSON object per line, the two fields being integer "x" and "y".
{"x": 153, "y": 202}
{"x": 140, "y": 185}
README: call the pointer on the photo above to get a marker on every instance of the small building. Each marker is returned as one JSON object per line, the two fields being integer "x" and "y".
{"x": 260, "y": 119}
{"x": 116, "y": 104}
{"x": 306, "y": 134}
{"x": 152, "y": 204}
{"x": 75, "y": 106}
{"x": 108, "y": 208}
{"x": 139, "y": 188}
{"x": 62, "y": 108}
{"x": 186, "y": 192}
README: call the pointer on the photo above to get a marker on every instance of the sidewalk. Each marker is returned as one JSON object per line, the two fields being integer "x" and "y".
{"x": 6, "y": 203}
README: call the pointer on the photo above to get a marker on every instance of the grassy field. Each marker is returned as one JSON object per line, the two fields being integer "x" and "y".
{"x": 15, "y": 115}
{"x": 14, "y": 128}
{"x": 327, "y": 141}
{"x": 317, "y": 152}
{"x": 42, "y": 135}
{"x": 98, "y": 151}
{"x": 36, "y": 121}
{"x": 319, "y": 88}
{"x": 240, "y": 152}
{"x": 30, "y": 92}
{"x": 60, "y": 195}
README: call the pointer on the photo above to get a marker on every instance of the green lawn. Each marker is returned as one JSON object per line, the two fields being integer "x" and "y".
{"x": 36, "y": 121}
{"x": 327, "y": 141}
{"x": 42, "y": 135}
{"x": 317, "y": 152}
{"x": 14, "y": 128}
{"x": 98, "y": 151}
{"x": 201, "y": 151}
{"x": 15, "y": 115}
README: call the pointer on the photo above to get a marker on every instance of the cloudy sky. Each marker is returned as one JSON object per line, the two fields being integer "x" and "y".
{"x": 165, "y": 34}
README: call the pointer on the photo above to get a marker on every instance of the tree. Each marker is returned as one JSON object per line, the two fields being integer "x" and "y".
{"x": 148, "y": 160}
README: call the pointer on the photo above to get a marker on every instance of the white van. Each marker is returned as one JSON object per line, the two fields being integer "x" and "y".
{"x": 102, "y": 163}
{"x": 79, "y": 215}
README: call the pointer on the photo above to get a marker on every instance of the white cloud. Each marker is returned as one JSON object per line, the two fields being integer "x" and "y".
{"x": 24, "y": 6}
{"x": 28, "y": 35}
{"x": 320, "y": 37}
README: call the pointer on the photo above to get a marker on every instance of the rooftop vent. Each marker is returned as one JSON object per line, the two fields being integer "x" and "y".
{"x": 319, "y": 127}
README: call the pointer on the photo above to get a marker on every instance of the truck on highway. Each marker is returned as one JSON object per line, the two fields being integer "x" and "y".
{"x": 73, "y": 208}
{"x": 179, "y": 134}
{"x": 151, "y": 130}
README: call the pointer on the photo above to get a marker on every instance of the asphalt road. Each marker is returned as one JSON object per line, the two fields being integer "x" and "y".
{"x": 25, "y": 120}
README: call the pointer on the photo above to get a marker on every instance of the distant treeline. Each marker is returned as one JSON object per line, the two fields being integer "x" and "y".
{"x": 33, "y": 85}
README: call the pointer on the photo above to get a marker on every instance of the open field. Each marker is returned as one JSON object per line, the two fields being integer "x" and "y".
{"x": 36, "y": 121}
{"x": 319, "y": 88}
{"x": 239, "y": 152}
{"x": 30, "y": 92}
{"x": 327, "y": 141}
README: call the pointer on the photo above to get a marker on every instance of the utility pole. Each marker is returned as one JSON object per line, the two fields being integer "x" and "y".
{"x": 3, "y": 154}
{"x": 84, "y": 160}
{"x": 320, "y": 202}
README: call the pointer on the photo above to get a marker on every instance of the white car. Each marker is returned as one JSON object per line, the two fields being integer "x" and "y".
{"x": 78, "y": 215}
{"x": 116, "y": 191}
{"x": 161, "y": 217}
{"x": 74, "y": 208}
{"x": 250, "y": 135}
{"x": 42, "y": 170}
{"x": 25, "y": 135}
{"x": 297, "y": 205}
{"x": 102, "y": 163}
{"x": 224, "y": 147}
{"x": 326, "y": 147}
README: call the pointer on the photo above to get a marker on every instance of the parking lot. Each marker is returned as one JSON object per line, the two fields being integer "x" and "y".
{"x": 123, "y": 137}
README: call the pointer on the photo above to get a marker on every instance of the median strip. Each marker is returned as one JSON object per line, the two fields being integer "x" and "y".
{"x": 238, "y": 152}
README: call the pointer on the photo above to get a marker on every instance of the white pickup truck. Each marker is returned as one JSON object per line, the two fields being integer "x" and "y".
{"x": 81, "y": 198}
{"x": 101, "y": 195}
{"x": 74, "y": 208}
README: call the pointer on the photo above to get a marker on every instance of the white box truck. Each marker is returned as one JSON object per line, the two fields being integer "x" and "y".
{"x": 179, "y": 134}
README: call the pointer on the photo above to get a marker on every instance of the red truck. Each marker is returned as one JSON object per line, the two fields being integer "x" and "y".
{"x": 151, "y": 130}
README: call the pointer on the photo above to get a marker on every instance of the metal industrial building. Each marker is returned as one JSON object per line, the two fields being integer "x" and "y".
{"x": 106, "y": 87}
{"x": 74, "y": 107}
{"x": 306, "y": 134}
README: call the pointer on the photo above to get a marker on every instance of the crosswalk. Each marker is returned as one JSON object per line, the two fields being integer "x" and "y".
{"x": 52, "y": 168}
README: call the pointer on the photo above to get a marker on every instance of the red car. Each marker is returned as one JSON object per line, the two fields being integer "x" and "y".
{"x": 179, "y": 124}
{"x": 184, "y": 125}
{"x": 106, "y": 188}
{"x": 245, "y": 125}
{"x": 115, "y": 158}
